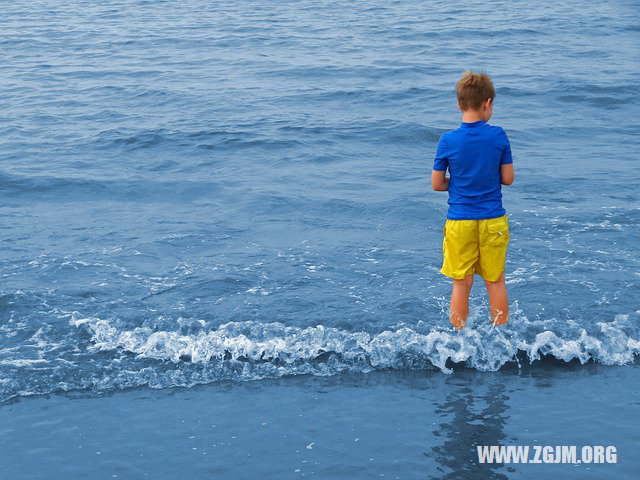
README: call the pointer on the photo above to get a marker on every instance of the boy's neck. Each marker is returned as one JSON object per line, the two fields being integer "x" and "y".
{"x": 470, "y": 116}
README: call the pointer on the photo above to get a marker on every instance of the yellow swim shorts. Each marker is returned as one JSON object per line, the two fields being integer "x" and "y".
{"x": 475, "y": 246}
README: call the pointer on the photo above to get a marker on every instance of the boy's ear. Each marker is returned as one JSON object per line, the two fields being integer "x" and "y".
{"x": 459, "y": 106}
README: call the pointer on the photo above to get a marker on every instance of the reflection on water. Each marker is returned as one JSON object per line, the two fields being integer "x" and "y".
{"x": 474, "y": 412}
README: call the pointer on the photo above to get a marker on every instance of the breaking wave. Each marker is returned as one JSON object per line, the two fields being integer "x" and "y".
{"x": 111, "y": 357}
{"x": 325, "y": 350}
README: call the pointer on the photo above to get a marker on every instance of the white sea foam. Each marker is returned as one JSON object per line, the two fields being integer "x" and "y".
{"x": 275, "y": 347}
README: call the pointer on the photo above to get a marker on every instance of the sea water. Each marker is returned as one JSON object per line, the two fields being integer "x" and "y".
{"x": 204, "y": 192}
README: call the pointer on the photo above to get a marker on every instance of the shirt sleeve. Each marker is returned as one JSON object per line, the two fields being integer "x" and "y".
{"x": 506, "y": 150}
{"x": 441, "y": 162}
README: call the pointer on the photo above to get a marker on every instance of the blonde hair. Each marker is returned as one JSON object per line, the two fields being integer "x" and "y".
{"x": 473, "y": 89}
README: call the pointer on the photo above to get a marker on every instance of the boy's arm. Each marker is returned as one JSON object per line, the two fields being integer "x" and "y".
{"x": 506, "y": 173}
{"x": 506, "y": 162}
{"x": 439, "y": 181}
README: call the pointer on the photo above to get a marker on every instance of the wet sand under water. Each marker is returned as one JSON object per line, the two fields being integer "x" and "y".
{"x": 397, "y": 425}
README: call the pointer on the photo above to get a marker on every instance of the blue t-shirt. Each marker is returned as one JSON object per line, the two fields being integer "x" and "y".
{"x": 473, "y": 154}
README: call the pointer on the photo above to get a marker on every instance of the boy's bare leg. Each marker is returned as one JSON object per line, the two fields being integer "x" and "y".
{"x": 498, "y": 301}
{"x": 460, "y": 302}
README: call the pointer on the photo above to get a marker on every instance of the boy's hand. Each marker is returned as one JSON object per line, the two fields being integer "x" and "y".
{"x": 439, "y": 181}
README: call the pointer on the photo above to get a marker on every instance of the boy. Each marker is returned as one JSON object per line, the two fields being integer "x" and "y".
{"x": 476, "y": 232}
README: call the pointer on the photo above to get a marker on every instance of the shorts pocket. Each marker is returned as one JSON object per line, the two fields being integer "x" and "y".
{"x": 498, "y": 232}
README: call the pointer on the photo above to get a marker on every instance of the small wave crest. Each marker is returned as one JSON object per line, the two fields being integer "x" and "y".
{"x": 48, "y": 188}
{"x": 101, "y": 355}
{"x": 265, "y": 349}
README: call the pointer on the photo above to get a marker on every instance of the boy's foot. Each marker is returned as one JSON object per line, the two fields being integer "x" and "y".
{"x": 458, "y": 324}
{"x": 500, "y": 321}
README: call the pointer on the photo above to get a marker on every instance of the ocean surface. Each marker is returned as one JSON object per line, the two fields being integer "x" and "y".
{"x": 202, "y": 192}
